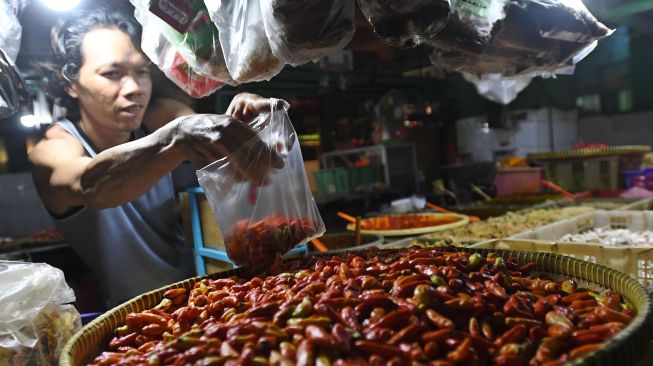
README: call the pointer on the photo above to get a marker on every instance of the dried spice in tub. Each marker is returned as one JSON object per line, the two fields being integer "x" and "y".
{"x": 392, "y": 307}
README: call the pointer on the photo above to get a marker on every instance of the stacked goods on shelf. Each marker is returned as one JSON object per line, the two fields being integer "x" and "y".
{"x": 591, "y": 168}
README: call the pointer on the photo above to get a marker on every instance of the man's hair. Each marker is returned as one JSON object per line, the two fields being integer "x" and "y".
{"x": 62, "y": 69}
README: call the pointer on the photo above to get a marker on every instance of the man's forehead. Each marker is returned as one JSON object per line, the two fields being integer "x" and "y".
{"x": 110, "y": 46}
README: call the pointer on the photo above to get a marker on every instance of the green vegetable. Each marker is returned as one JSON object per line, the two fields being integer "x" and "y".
{"x": 322, "y": 360}
{"x": 260, "y": 360}
{"x": 321, "y": 321}
{"x": 421, "y": 294}
{"x": 474, "y": 260}
{"x": 569, "y": 286}
{"x": 303, "y": 309}
{"x": 438, "y": 281}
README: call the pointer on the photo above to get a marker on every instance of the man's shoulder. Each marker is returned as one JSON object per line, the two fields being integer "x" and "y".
{"x": 56, "y": 141}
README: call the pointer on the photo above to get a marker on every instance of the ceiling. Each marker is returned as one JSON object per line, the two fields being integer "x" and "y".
{"x": 636, "y": 14}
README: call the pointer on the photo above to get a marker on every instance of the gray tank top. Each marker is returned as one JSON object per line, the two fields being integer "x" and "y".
{"x": 132, "y": 248}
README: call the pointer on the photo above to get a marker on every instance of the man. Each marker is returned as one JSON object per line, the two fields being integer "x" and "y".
{"x": 105, "y": 181}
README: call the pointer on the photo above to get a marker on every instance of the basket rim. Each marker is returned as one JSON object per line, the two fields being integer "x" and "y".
{"x": 591, "y": 152}
{"x": 640, "y": 328}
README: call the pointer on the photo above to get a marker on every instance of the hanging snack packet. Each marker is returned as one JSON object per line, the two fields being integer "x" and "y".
{"x": 243, "y": 40}
{"x": 303, "y": 31}
{"x": 179, "y": 37}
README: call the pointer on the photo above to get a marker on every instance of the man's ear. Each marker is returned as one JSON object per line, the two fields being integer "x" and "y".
{"x": 72, "y": 91}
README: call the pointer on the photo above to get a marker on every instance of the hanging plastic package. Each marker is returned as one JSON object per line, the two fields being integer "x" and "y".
{"x": 243, "y": 40}
{"x": 179, "y": 37}
{"x": 36, "y": 318}
{"x": 260, "y": 221}
{"x": 13, "y": 91}
{"x": 500, "y": 45}
{"x": 406, "y": 23}
{"x": 303, "y": 31}
{"x": 10, "y": 32}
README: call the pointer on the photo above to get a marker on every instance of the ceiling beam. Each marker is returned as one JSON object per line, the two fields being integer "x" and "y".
{"x": 626, "y": 10}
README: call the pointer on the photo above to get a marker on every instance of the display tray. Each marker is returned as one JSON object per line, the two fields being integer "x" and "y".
{"x": 425, "y": 242}
{"x": 624, "y": 348}
{"x": 459, "y": 220}
{"x": 637, "y": 261}
{"x": 639, "y": 205}
{"x": 344, "y": 242}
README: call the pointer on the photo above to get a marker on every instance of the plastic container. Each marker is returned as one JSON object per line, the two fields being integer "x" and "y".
{"x": 631, "y": 220}
{"x": 635, "y": 262}
{"x": 514, "y": 181}
{"x": 331, "y": 181}
{"x": 359, "y": 176}
{"x": 639, "y": 205}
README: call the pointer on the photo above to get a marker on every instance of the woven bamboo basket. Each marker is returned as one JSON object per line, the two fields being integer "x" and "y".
{"x": 623, "y": 349}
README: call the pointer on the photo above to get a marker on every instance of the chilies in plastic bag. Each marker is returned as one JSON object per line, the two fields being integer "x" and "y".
{"x": 307, "y": 30}
{"x": 406, "y": 23}
{"x": 36, "y": 319}
{"x": 260, "y": 222}
{"x": 243, "y": 40}
{"x": 182, "y": 41}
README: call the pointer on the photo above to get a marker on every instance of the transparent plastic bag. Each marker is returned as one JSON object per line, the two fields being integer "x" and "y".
{"x": 13, "y": 90}
{"x": 36, "y": 319}
{"x": 505, "y": 43}
{"x": 307, "y": 30}
{"x": 406, "y": 23}
{"x": 188, "y": 51}
{"x": 10, "y": 32}
{"x": 260, "y": 222}
{"x": 243, "y": 40}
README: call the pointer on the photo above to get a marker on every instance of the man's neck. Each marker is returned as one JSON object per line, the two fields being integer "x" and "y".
{"x": 101, "y": 137}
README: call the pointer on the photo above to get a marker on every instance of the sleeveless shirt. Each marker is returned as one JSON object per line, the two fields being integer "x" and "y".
{"x": 132, "y": 248}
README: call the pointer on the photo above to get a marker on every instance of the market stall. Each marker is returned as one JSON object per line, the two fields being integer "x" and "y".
{"x": 341, "y": 182}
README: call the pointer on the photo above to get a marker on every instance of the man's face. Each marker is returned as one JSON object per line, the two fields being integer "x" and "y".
{"x": 114, "y": 84}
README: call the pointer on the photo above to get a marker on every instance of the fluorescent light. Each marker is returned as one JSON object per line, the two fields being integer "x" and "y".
{"x": 29, "y": 120}
{"x": 61, "y": 5}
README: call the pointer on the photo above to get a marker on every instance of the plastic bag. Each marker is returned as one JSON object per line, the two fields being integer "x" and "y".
{"x": 307, "y": 30}
{"x": 259, "y": 222}
{"x": 508, "y": 42}
{"x": 244, "y": 43}
{"x": 184, "y": 46}
{"x": 35, "y": 321}
{"x": 406, "y": 23}
{"x": 10, "y": 32}
{"x": 13, "y": 90}
{"x": 499, "y": 88}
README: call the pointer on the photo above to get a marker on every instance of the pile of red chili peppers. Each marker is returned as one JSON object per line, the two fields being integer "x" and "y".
{"x": 398, "y": 307}
{"x": 257, "y": 243}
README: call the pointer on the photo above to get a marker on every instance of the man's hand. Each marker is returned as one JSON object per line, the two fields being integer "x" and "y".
{"x": 206, "y": 138}
{"x": 246, "y": 106}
